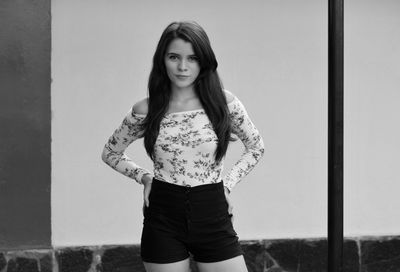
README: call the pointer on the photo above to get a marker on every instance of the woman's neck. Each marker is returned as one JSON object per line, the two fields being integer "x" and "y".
{"x": 183, "y": 95}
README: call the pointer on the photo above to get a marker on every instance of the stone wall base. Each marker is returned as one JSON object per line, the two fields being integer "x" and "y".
{"x": 361, "y": 254}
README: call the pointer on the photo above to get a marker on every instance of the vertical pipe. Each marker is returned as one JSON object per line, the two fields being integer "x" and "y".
{"x": 335, "y": 136}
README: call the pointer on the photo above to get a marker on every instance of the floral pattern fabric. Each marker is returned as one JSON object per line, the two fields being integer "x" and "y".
{"x": 184, "y": 149}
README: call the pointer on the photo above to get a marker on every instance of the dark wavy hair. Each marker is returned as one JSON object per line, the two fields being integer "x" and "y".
{"x": 208, "y": 86}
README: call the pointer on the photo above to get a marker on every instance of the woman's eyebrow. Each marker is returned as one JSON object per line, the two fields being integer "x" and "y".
{"x": 173, "y": 53}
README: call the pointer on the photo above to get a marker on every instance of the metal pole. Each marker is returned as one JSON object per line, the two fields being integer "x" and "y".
{"x": 335, "y": 136}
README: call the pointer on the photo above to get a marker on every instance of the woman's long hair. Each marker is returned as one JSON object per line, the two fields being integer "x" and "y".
{"x": 208, "y": 87}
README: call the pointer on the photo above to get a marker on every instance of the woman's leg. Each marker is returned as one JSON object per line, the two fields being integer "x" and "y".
{"x": 181, "y": 266}
{"x": 235, "y": 264}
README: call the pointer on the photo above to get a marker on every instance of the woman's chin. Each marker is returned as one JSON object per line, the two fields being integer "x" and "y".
{"x": 182, "y": 86}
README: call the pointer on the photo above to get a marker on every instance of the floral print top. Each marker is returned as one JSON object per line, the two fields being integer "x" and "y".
{"x": 184, "y": 149}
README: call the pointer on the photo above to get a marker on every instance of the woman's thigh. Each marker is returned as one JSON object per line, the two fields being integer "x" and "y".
{"x": 235, "y": 264}
{"x": 181, "y": 266}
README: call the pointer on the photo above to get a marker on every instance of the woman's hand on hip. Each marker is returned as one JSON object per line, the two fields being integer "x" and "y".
{"x": 147, "y": 180}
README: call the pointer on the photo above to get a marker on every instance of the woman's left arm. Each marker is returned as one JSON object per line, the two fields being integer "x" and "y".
{"x": 243, "y": 127}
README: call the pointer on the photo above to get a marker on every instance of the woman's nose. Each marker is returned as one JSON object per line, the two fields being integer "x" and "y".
{"x": 182, "y": 65}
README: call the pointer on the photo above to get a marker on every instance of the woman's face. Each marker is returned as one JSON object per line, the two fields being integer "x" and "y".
{"x": 181, "y": 63}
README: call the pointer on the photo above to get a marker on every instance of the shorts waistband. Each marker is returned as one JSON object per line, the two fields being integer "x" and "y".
{"x": 186, "y": 188}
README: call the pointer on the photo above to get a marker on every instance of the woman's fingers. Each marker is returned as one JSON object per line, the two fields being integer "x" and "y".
{"x": 230, "y": 206}
{"x": 146, "y": 193}
{"x": 147, "y": 180}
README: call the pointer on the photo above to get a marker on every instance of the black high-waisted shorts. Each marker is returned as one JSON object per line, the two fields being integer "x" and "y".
{"x": 182, "y": 220}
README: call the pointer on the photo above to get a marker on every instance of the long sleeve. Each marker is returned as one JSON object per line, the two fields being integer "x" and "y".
{"x": 247, "y": 132}
{"x": 114, "y": 150}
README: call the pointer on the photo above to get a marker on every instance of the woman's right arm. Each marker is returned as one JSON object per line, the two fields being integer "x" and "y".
{"x": 114, "y": 150}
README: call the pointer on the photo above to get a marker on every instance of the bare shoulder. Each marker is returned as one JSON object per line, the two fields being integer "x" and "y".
{"x": 141, "y": 107}
{"x": 229, "y": 96}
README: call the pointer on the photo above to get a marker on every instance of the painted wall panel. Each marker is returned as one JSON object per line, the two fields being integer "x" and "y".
{"x": 25, "y": 44}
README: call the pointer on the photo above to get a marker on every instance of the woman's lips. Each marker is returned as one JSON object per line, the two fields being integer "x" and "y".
{"x": 181, "y": 76}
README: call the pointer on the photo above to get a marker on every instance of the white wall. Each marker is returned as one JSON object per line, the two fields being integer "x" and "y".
{"x": 372, "y": 117}
{"x": 272, "y": 55}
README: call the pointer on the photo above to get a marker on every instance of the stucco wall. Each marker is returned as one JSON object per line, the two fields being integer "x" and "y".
{"x": 272, "y": 55}
{"x": 372, "y": 133}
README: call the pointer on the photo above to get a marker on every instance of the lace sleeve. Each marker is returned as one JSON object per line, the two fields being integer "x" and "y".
{"x": 247, "y": 132}
{"x": 114, "y": 150}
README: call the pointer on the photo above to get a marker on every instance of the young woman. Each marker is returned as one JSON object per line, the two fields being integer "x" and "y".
{"x": 187, "y": 122}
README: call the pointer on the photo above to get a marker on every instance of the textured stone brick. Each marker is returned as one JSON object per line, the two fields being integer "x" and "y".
{"x": 12, "y": 266}
{"x": 380, "y": 255}
{"x": 46, "y": 263}
{"x": 351, "y": 261}
{"x": 3, "y": 261}
{"x": 275, "y": 269}
{"x": 74, "y": 260}
{"x": 285, "y": 253}
{"x": 256, "y": 257}
{"x": 313, "y": 256}
{"x": 299, "y": 255}
{"x": 121, "y": 259}
{"x": 22, "y": 264}
{"x": 99, "y": 268}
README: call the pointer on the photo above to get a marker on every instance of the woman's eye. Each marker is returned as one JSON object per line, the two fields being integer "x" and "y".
{"x": 193, "y": 58}
{"x": 172, "y": 57}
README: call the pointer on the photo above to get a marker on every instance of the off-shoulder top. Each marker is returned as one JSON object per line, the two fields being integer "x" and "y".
{"x": 184, "y": 149}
